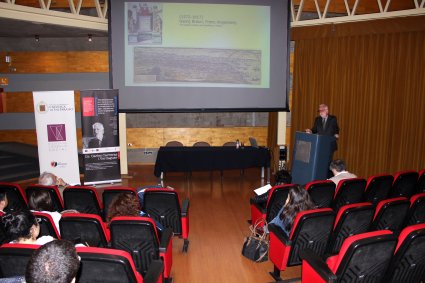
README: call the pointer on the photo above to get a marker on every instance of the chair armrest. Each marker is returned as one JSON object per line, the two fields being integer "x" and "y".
{"x": 317, "y": 265}
{"x": 185, "y": 207}
{"x": 154, "y": 272}
{"x": 279, "y": 234}
{"x": 166, "y": 236}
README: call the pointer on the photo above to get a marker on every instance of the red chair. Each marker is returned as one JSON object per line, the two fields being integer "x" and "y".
{"x": 109, "y": 193}
{"x": 276, "y": 199}
{"x": 47, "y": 225}
{"x": 84, "y": 199}
{"x": 404, "y": 184}
{"x": 349, "y": 191}
{"x": 15, "y": 196}
{"x": 52, "y": 190}
{"x": 14, "y": 259}
{"x": 408, "y": 262}
{"x": 362, "y": 258}
{"x": 420, "y": 185}
{"x": 110, "y": 266}
{"x": 138, "y": 236}
{"x": 163, "y": 205}
{"x": 88, "y": 229}
{"x": 390, "y": 214}
{"x": 416, "y": 213}
{"x": 321, "y": 192}
{"x": 352, "y": 219}
{"x": 378, "y": 188}
{"x": 311, "y": 229}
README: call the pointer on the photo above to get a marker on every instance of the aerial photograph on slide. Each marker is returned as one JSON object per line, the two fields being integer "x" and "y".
{"x": 198, "y": 65}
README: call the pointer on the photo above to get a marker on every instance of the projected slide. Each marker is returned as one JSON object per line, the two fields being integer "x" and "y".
{"x": 197, "y": 45}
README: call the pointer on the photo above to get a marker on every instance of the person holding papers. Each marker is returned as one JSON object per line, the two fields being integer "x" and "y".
{"x": 262, "y": 194}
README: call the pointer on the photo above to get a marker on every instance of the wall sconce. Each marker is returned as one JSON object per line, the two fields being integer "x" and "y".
{"x": 37, "y": 38}
{"x": 89, "y": 38}
{"x": 8, "y": 59}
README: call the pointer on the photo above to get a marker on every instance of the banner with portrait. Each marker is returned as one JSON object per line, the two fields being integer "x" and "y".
{"x": 99, "y": 123}
{"x": 56, "y": 134}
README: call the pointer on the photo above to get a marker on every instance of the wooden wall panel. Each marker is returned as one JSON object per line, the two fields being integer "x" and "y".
{"x": 29, "y": 136}
{"x": 55, "y": 62}
{"x": 156, "y": 137}
{"x": 22, "y": 102}
{"x": 56, "y": 3}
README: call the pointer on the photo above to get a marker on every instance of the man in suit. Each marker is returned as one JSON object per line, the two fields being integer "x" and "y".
{"x": 327, "y": 125}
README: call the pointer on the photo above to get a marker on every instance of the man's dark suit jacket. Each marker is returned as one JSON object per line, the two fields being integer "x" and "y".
{"x": 331, "y": 128}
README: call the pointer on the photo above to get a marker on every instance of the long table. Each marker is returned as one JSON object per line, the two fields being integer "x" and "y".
{"x": 187, "y": 159}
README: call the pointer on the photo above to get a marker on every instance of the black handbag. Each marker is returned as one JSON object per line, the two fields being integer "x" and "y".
{"x": 256, "y": 246}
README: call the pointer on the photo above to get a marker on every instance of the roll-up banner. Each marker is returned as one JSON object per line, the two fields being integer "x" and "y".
{"x": 56, "y": 134}
{"x": 99, "y": 122}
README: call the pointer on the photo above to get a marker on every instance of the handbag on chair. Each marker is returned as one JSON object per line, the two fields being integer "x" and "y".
{"x": 256, "y": 246}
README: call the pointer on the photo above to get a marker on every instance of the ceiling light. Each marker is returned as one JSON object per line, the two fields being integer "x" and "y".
{"x": 90, "y": 38}
{"x": 37, "y": 38}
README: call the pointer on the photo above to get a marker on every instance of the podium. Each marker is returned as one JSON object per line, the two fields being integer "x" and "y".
{"x": 311, "y": 157}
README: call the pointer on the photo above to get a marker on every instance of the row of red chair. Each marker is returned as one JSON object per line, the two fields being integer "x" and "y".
{"x": 322, "y": 235}
{"x": 163, "y": 205}
{"x": 371, "y": 257}
{"x": 324, "y": 193}
{"x": 97, "y": 264}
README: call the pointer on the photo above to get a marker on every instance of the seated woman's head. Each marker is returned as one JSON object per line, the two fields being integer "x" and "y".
{"x": 20, "y": 226}
{"x": 124, "y": 204}
{"x": 298, "y": 200}
{"x": 40, "y": 201}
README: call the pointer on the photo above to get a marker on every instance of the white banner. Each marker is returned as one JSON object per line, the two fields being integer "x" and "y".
{"x": 56, "y": 134}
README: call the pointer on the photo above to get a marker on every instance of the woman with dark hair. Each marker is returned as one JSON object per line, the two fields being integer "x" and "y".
{"x": 22, "y": 227}
{"x": 298, "y": 200}
{"x": 41, "y": 201}
{"x": 127, "y": 205}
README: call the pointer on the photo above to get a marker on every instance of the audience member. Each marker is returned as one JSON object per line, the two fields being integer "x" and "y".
{"x": 50, "y": 179}
{"x": 22, "y": 227}
{"x": 340, "y": 172}
{"x": 56, "y": 262}
{"x": 282, "y": 177}
{"x": 3, "y": 203}
{"x": 298, "y": 200}
{"x": 41, "y": 201}
{"x": 127, "y": 205}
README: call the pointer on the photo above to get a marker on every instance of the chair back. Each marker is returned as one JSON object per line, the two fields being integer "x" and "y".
{"x": 174, "y": 143}
{"x": 230, "y": 143}
{"x": 84, "y": 199}
{"x": 110, "y": 193}
{"x": 416, "y": 213}
{"x": 349, "y": 191}
{"x": 47, "y": 225}
{"x": 277, "y": 198}
{"x": 321, "y": 192}
{"x": 390, "y": 214}
{"x": 404, "y": 184}
{"x": 138, "y": 236}
{"x": 201, "y": 143}
{"x": 311, "y": 229}
{"x": 15, "y": 196}
{"x": 365, "y": 257}
{"x": 88, "y": 229}
{"x": 106, "y": 265}
{"x": 351, "y": 219}
{"x": 378, "y": 188}
{"x": 408, "y": 262}
{"x": 163, "y": 205}
{"x": 52, "y": 190}
{"x": 420, "y": 185}
{"x": 14, "y": 259}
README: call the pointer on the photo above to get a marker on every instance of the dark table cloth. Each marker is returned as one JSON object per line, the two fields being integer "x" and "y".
{"x": 186, "y": 159}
